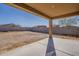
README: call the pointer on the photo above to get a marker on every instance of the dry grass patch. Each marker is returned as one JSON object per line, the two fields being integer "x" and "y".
{"x": 10, "y": 40}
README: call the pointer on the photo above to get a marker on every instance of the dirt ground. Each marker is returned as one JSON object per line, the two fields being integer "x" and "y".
{"x": 66, "y": 37}
{"x": 10, "y": 40}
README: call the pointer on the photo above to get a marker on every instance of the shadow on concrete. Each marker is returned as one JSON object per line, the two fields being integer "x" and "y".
{"x": 50, "y": 48}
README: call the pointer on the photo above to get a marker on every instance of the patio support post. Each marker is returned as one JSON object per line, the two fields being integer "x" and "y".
{"x": 50, "y": 29}
{"x": 50, "y": 47}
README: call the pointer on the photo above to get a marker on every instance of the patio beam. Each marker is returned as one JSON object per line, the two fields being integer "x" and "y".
{"x": 29, "y": 9}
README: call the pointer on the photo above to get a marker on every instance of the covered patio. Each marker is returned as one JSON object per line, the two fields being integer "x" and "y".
{"x": 50, "y": 11}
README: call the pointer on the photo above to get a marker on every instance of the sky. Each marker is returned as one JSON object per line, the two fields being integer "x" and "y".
{"x": 9, "y": 14}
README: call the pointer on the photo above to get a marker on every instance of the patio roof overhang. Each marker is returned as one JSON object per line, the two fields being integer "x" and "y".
{"x": 49, "y": 10}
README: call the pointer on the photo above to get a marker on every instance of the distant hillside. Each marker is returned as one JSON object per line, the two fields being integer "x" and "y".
{"x": 66, "y": 30}
{"x": 11, "y": 27}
